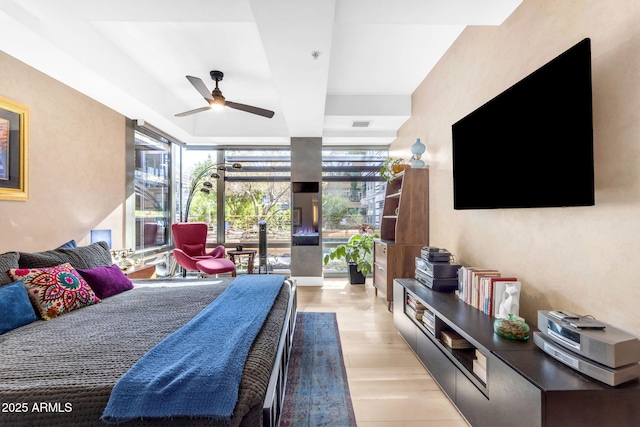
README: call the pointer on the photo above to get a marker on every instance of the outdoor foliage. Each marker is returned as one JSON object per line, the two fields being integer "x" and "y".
{"x": 246, "y": 203}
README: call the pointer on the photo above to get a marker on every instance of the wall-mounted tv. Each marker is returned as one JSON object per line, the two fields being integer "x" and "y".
{"x": 532, "y": 145}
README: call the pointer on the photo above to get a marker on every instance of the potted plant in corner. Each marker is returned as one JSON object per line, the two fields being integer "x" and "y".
{"x": 392, "y": 167}
{"x": 357, "y": 253}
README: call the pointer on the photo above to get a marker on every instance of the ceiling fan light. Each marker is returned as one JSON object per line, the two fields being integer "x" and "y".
{"x": 217, "y": 104}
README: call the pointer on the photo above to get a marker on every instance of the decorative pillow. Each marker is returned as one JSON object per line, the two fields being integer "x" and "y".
{"x": 55, "y": 290}
{"x": 106, "y": 280}
{"x": 193, "y": 250}
{"x": 71, "y": 244}
{"x": 90, "y": 256}
{"x": 15, "y": 308}
{"x": 8, "y": 261}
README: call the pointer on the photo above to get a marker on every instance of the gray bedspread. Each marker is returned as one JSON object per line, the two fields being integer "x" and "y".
{"x": 60, "y": 372}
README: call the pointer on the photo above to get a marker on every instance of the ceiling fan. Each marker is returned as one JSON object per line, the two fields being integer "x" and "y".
{"x": 216, "y": 100}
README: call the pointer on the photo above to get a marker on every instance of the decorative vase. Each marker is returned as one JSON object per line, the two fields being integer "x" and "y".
{"x": 417, "y": 149}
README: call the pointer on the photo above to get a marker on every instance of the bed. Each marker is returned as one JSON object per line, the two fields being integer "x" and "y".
{"x": 61, "y": 372}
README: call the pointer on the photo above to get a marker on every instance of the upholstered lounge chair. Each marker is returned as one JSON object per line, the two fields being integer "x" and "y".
{"x": 190, "y": 239}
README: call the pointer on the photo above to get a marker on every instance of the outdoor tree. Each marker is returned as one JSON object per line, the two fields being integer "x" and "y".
{"x": 246, "y": 202}
{"x": 334, "y": 209}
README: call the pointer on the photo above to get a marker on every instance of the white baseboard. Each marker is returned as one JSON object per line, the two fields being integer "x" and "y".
{"x": 308, "y": 280}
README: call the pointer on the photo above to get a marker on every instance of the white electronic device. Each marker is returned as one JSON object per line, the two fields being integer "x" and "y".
{"x": 610, "y": 376}
{"x": 601, "y": 342}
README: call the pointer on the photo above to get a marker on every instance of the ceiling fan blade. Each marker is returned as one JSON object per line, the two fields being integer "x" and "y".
{"x": 250, "y": 109}
{"x": 200, "y": 87}
{"x": 197, "y": 110}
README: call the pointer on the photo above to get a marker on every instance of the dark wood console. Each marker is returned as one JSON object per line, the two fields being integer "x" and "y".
{"x": 523, "y": 385}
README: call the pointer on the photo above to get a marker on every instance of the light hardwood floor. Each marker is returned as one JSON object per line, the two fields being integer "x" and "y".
{"x": 389, "y": 385}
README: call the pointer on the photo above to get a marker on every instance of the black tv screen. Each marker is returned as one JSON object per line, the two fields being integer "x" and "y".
{"x": 532, "y": 145}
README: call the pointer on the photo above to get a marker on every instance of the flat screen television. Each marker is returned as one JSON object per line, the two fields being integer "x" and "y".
{"x": 532, "y": 145}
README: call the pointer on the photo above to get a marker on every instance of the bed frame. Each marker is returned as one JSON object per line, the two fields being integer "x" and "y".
{"x": 274, "y": 399}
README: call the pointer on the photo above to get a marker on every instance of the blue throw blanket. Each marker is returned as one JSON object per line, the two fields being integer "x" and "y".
{"x": 196, "y": 371}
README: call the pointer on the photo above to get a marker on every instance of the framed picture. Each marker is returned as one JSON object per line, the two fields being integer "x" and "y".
{"x": 296, "y": 216}
{"x": 14, "y": 148}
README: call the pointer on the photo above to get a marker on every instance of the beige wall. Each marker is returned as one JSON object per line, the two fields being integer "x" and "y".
{"x": 76, "y": 164}
{"x": 582, "y": 259}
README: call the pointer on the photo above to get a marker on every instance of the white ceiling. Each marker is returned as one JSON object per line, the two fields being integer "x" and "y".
{"x": 133, "y": 56}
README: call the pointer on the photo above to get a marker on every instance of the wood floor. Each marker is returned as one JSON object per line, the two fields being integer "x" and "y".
{"x": 389, "y": 385}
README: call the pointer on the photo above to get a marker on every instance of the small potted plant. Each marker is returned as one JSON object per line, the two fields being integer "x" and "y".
{"x": 357, "y": 253}
{"x": 391, "y": 168}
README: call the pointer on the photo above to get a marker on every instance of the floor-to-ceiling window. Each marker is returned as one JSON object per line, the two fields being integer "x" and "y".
{"x": 152, "y": 190}
{"x": 352, "y": 196}
{"x": 154, "y": 179}
{"x": 233, "y": 200}
{"x": 232, "y": 190}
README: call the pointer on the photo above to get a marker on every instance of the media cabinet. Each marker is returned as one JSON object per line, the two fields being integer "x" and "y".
{"x": 524, "y": 386}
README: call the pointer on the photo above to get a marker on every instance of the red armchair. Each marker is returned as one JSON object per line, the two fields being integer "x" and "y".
{"x": 190, "y": 239}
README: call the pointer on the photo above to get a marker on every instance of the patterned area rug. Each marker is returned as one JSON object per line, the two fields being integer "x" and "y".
{"x": 317, "y": 392}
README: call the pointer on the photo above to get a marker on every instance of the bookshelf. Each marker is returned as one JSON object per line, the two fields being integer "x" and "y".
{"x": 404, "y": 229}
{"x": 498, "y": 381}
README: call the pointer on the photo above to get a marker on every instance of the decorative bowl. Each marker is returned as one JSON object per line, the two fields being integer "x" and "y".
{"x": 511, "y": 328}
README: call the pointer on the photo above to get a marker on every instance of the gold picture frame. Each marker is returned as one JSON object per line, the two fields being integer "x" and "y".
{"x": 14, "y": 151}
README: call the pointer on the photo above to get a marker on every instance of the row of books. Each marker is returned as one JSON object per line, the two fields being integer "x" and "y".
{"x": 429, "y": 321}
{"x": 422, "y": 314}
{"x": 414, "y": 308}
{"x": 483, "y": 288}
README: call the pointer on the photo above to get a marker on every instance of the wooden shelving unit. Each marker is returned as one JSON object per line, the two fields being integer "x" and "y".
{"x": 404, "y": 229}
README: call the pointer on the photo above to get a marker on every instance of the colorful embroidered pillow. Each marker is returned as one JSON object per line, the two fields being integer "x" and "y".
{"x": 55, "y": 290}
{"x": 15, "y": 308}
{"x": 106, "y": 280}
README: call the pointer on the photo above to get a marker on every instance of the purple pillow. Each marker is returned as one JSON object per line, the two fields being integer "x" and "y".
{"x": 106, "y": 280}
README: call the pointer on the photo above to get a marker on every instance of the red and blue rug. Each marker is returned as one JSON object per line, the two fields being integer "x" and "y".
{"x": 317, "y": 392}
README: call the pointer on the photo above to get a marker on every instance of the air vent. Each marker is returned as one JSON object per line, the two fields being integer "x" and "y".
{"x": 361, "y": 124}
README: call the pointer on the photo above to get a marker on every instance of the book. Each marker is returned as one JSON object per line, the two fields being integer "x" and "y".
{"x": 415, "y": 304}
{"x": 485, "y": 290}
{"x": 429, "y": 323}
{"x": 481, "y": 359}
{"x": 416, "y": 314}
{"x": 454, "y": 340}
{"x": 475, "y": 275}
{"x": 464, "y": 282}
{"x": 480, "y": 371}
